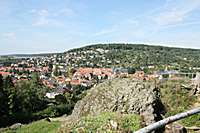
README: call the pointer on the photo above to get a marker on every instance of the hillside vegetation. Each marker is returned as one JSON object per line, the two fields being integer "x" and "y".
{"x": 119, "y": 101}
{"x": 41, "y": 126}
{"x": 126, "y": 55}
{"x": 178, "y": 99}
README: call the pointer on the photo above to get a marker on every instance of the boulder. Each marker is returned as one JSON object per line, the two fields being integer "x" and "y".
{"x": 124, "y": 96}
{"x": 15, "y": 126}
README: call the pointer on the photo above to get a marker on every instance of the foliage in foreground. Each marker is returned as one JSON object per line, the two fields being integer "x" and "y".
{"x": 25, "y": 101}
{"x": 38, "y": 127}
{"x": 104, "y": 123}
{"x": 177, "y": 99}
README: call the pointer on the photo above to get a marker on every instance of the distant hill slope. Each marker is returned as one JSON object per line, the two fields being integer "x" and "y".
{"x": 30, "y": 55}
{"x": 138, "y": 55}
{"x": 128, "y": 55}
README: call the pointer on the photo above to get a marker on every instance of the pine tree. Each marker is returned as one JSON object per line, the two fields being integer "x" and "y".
{"x": 55, "y": 72}
{"x": 3, "y": 98}
{"x": 1, "y": 82}
{"x": 9, "y": 93}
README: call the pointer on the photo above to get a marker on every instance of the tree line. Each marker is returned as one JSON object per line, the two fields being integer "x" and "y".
{"x": 25, "y": 101}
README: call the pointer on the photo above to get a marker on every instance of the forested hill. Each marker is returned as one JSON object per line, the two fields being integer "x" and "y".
{"x": 139, "y": 55}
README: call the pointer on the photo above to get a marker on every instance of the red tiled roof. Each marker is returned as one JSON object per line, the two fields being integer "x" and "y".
{"x": 95, "y": 71}
{"x": 75, "y": 82}
{"x": 45, "y": 68}
{"x": 29, "y": 69}
{"x": 5, "y": 73}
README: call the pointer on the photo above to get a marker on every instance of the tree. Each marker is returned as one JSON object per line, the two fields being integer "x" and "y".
{"x": 60, "y": 99}
{"x": 146, "y": 70}
{"x": 36, "y": 79}
{"x": 8, "y": 83}
{"x": 59, "y": 73}
{"x": 1, "y": 82}
{"x": 6, "y": 95}
{"x": 50, "y": 66}
{"x": 70, "y": 72}
{"x": 55, "y": 71}
{"x": 30, "y": 97}
{"x": 131, "y": 70}
{"x": 2, "y": 97}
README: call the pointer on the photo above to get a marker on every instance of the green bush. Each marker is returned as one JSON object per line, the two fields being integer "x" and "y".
{"x": 53, "y": 111}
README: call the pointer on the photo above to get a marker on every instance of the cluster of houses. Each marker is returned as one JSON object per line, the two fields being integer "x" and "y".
{"x": 86, "y": 58}
{"x": 82, "y": 76}
{"x": 85, "y": 76}
{"x": 87, "y": 73}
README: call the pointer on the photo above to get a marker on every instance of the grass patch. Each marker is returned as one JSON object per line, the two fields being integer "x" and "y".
{"x": 41, "y": 126}
{"x": 102, "y": 123}
{"x": 191, "y": 121}
{"x": 177, "y": 100}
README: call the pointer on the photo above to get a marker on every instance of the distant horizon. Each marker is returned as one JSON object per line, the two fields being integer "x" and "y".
{"x": 52, "y": 52}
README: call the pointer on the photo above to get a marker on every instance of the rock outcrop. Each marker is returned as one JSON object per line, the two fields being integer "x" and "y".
{"x": 124, "y": 96}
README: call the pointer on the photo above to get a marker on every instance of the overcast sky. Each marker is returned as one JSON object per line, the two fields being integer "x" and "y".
{"x": 35, "y": 26}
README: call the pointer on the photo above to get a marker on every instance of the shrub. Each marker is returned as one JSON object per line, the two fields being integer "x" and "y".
{"x": 53, "y": 111}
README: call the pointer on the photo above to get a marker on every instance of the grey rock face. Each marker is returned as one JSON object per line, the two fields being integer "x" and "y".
{"x": 124, "y": 96}
{"x": 15, "y": 126}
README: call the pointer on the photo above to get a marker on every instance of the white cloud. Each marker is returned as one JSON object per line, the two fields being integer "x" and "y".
{"x": 43, "y": 12}
{"x": 105, "y": 31}
{"x": 44, "y": 18}
{"x": 33, "y": 11}
{"x": 171, "y": 17}
{"x": 127, "y": 25}
{"x": 65, "y": 11}
{"x": 41, "y": 17}
{"x": 9, "y": 35}
{"x": 184, "y": 24}
{"x": 41, "y": 21}
{"x": 133, "y": 22}
{"x": 176, "y": 11}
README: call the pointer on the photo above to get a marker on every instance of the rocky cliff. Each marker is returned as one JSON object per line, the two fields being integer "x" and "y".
{"x": 124, "y": 96}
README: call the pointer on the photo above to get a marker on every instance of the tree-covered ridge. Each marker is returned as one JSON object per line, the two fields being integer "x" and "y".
{"x": 138, "y": 55}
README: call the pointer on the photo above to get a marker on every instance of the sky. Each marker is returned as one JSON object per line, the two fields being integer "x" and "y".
{"x": 38, "y": 26}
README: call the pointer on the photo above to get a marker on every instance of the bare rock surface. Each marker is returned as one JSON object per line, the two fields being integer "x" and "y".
{"x": 124, "y": 96}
